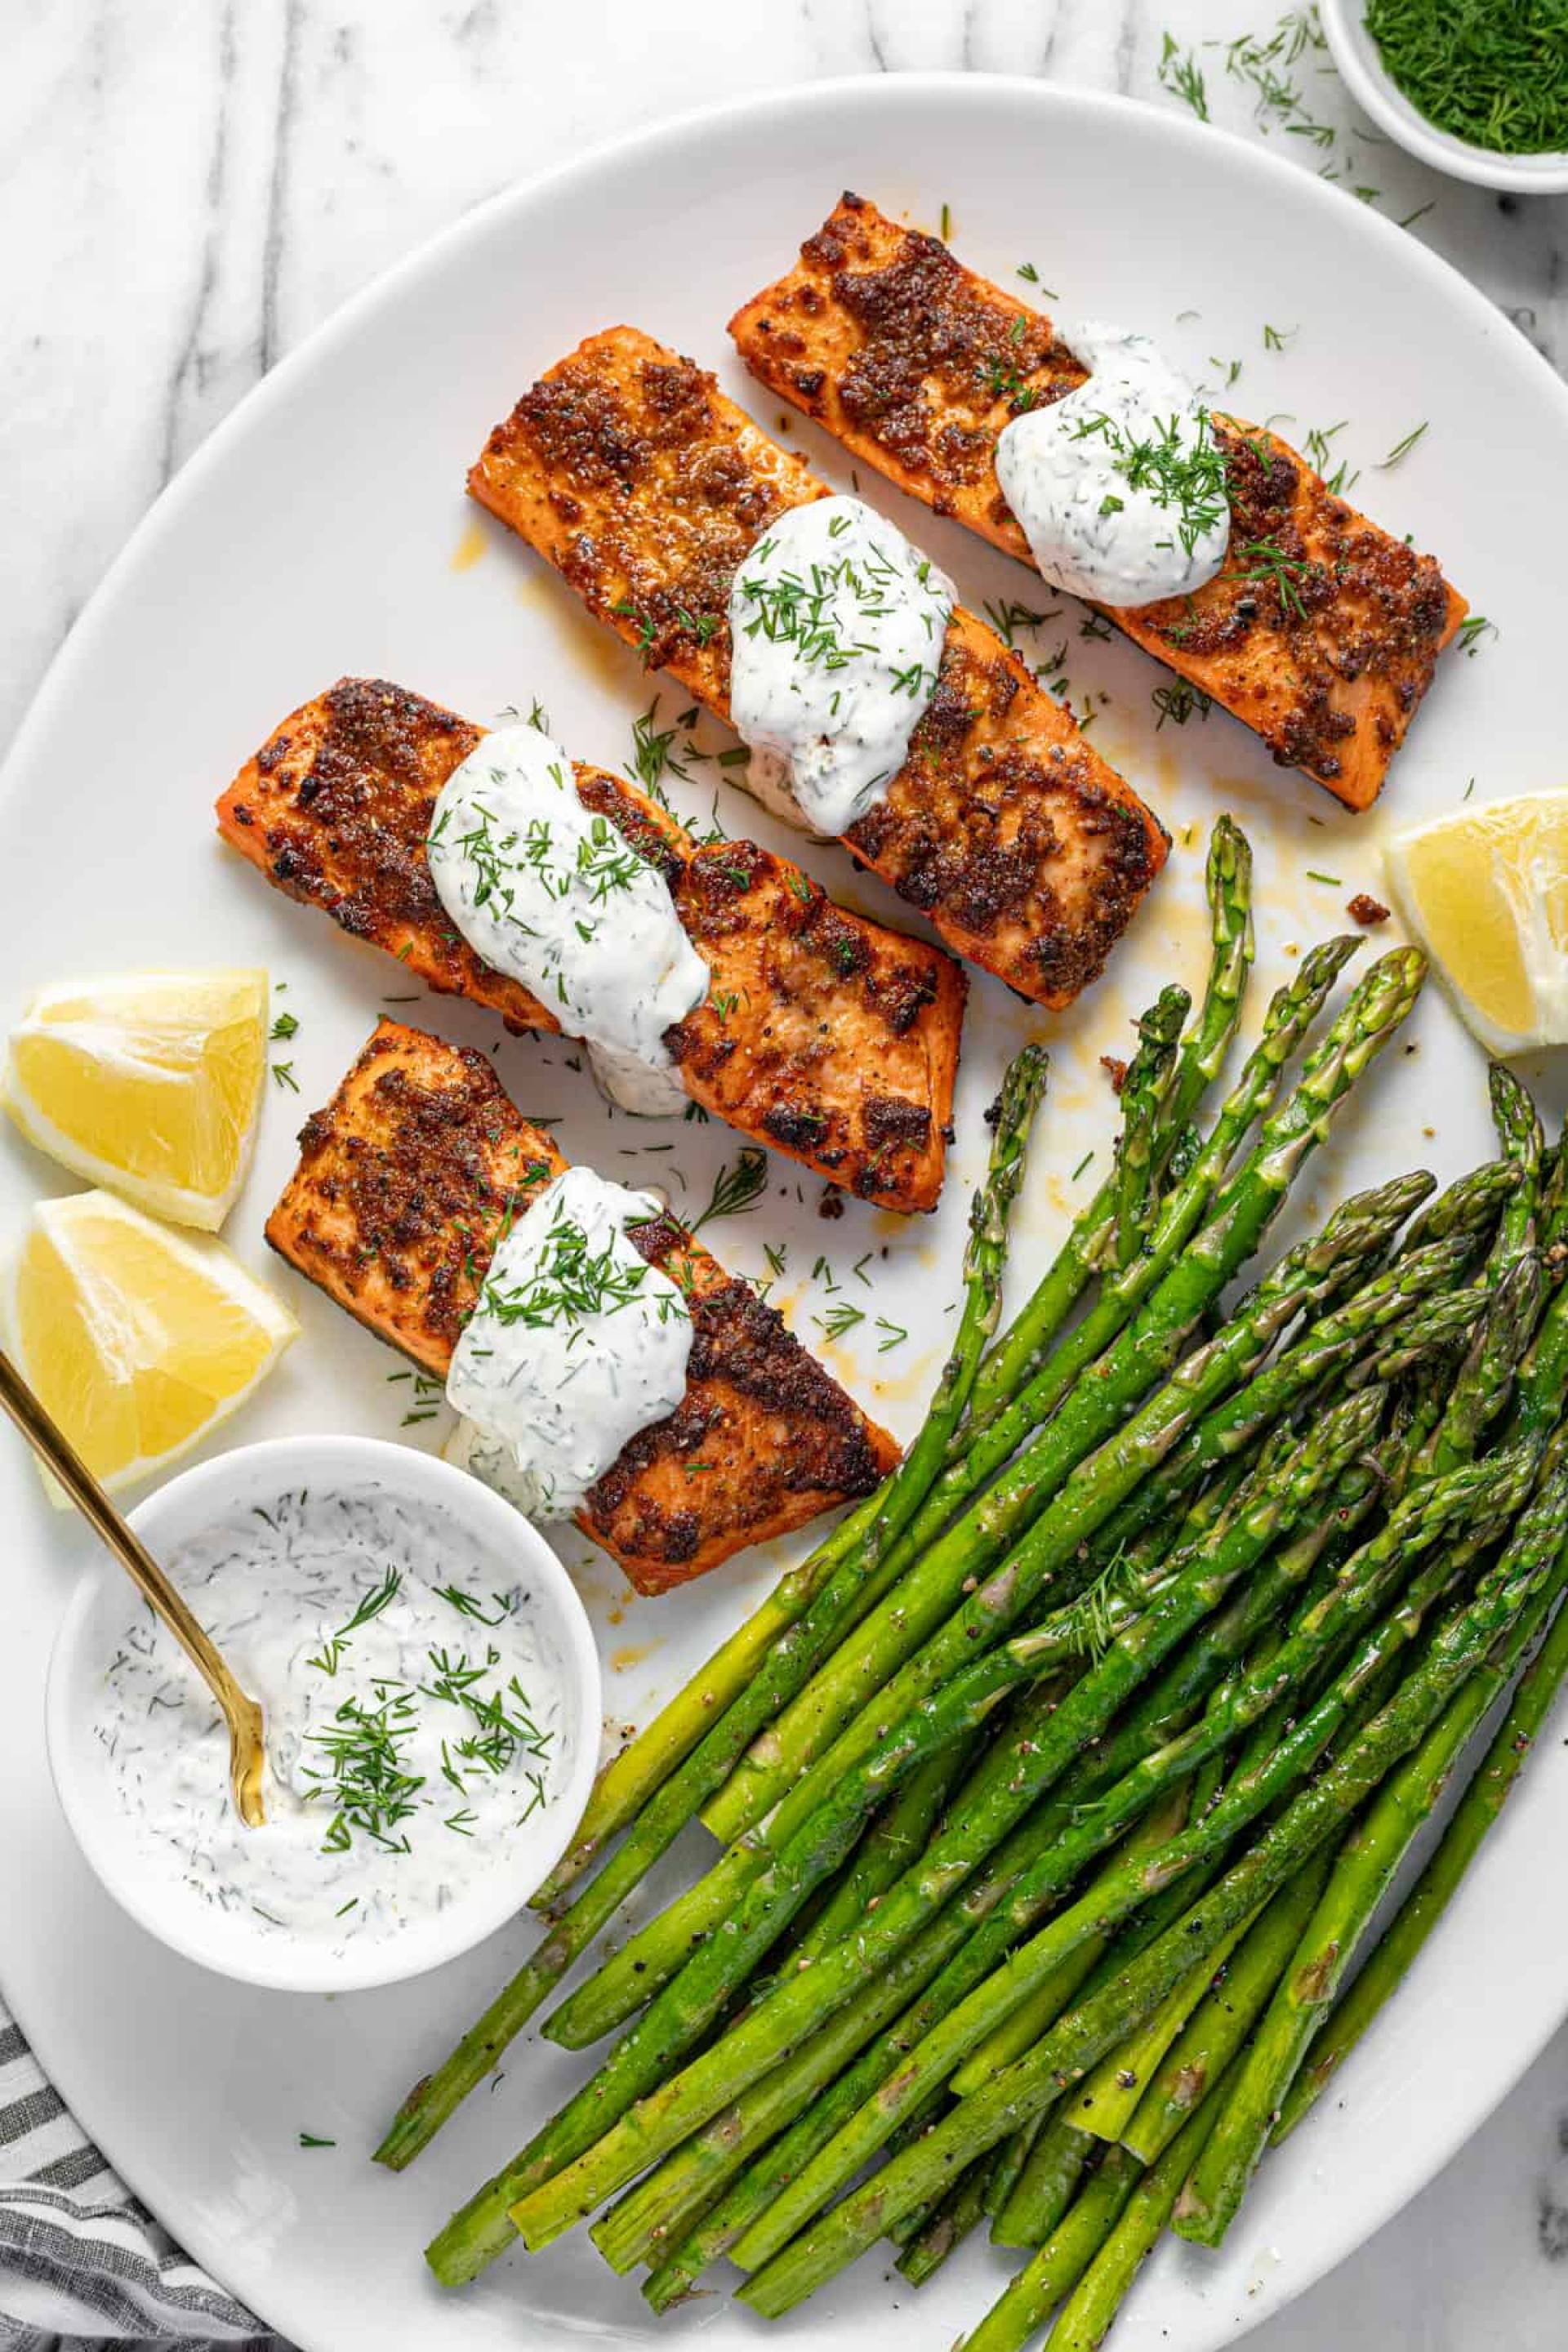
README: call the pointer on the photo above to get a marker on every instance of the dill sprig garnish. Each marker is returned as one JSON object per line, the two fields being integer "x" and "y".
{"x": 1179, "y": 703}
{"x": 1183, "y": 472}
{"x": 595, "y": 863}
{"x": 379, "y": 1597}
{"x": 819, "y": 614}
{"x": 572, "y": 1284}
{"x": 735, "y": 1190}
{"x": 1270, "y": 565}
{"x": 1180, "y": 74}
{"x": 363, "y": 1780}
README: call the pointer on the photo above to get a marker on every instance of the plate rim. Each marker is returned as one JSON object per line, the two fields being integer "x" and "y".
{"x": 340, "y": 325}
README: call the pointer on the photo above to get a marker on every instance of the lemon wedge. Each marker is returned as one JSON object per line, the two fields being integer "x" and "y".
{"x": 149, "y": 1084}
{"x": 138, "y": 1340}
{"x": 1485, "y": 890}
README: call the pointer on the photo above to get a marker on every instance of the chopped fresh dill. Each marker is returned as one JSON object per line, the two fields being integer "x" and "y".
{"x": 571, "y": 1283}
{"x": 1179, "y": 464}
{"x": 1179, "y": 703}
{"x": 1271, "y": 564}
{"x": 1403, "y": 448}
{"x": 1495, "y": 76}
{"x": 1007, "y": 618}
{"x": 654, "y": 753}
{"x": 735, "y": 1190}
{"x": 1180, "y": 73}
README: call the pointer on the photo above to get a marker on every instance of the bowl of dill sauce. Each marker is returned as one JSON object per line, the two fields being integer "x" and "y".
{"x": 1478, "y": 88}
{"x": 431, "y": 1694}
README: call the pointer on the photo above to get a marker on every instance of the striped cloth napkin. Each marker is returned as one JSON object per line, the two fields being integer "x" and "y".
{"x": 80, "y": 2262}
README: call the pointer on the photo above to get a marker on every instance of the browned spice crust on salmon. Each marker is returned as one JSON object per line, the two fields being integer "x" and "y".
{"x": 405, "y": 1182}
{"x": 632, "y": 474}
{"x": 1322, "y": 631}
{"x": 824, "y": 1035}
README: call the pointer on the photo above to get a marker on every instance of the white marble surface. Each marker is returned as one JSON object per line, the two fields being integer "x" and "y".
{"x": 188, "y": 187}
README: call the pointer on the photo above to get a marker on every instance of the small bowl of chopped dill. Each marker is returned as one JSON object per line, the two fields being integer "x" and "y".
{"x": 1478, "y": 88}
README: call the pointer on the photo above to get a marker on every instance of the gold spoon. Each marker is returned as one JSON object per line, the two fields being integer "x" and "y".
{"x": 247, "y": 1751}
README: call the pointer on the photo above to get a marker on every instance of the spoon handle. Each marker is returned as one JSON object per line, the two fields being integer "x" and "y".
{"x": 55, "y": 1449}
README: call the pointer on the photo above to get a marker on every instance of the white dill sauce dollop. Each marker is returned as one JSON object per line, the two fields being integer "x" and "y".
{"x": 577, "y": 1344}
{"x": 412, "y": 1705}
{"x": 554, "y": 894}
{"x": 1120, "y": 487}
{"x": 835, "y": 631}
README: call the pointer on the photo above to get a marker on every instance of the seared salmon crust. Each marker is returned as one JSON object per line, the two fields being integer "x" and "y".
{"x": 632, "y": 474}
{"x": 405, "y": 1182}
{"x": 824, "y": 1035}
{"x": 1322, "y": 631}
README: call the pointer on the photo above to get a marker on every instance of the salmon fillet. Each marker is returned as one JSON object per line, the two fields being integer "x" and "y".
{"x": 402, "y": 1186}
{"x": 826, "y": 1036}
{"x": 630, "y": 472}
{"x": 1322, "y": 633}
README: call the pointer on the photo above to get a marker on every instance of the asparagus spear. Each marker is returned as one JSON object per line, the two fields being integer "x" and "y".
{"x": 894, "y": 1842}
{"x": 1471, "y": 1205}
{"x": 1054, "y": 2272}
{"x": 961, "y": 2211}
{"x": 1105, "y": 2104}
{"x": 1064, "y": 2054}
{"x": 650, "y": 1956}
{"x": 1143, "y": 1091}
{"x": 1227, "y": 881}
{"x": 1085, "y": 2318}
{"x": 1543, "y": 1376}
{"x": 1227, "y": 2014}
{"x": 1363, "y": 1869}
{"x": 1020, "y": 1351}
{"x": 1487, "y": 1376}
{"x": 1012, "y": 2156}
{"x": 803, "y": 1637}
{"x": 1522, "y": 1146}
{"x": 1048, "y": 2184}
{"x": 1483, "y": 1800}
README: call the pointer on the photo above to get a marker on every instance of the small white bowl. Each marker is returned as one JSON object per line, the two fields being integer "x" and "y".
{"x": 1377, "y": 94}
{"x": 231, "y": 1940}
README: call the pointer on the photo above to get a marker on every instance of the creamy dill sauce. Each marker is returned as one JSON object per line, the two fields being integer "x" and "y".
{"x": 575, "y": 1345}
{"x": 412, "y": 1713}
{"x": 835, "y": 627}
{"x": 1120, "y": 487}
{"x": 552, "y": 893}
